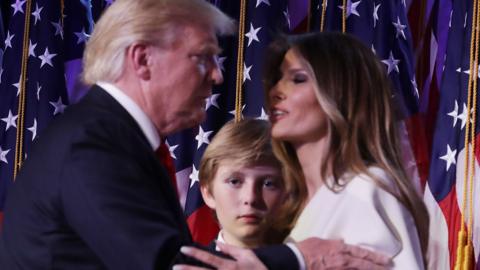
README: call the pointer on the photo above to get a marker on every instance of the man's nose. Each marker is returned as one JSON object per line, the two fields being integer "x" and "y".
{"x": 216, "y": 73}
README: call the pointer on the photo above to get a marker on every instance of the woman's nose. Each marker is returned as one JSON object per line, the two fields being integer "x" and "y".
{"x": 276, "y": 94}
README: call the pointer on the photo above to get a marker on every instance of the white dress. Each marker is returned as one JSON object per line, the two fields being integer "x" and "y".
{"x": 366, "y": 215}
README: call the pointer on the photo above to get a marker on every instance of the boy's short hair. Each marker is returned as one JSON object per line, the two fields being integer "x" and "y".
{"x": 242, "y": 143}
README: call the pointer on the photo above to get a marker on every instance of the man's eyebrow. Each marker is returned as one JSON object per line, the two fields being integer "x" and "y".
{"x": 211, "y": 48}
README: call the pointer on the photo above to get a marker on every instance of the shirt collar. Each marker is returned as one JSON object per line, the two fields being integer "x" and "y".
{"x": 146, "y": 125}
{"x": 220, "y": 239}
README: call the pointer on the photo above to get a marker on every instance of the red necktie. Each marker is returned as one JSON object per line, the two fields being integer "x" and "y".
{"x": 166, "y": 160}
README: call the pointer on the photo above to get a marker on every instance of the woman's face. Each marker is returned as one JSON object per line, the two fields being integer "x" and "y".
{"x": 295, "y": 113}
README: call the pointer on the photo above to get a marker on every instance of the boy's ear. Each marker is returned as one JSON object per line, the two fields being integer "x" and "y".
{"x": 207, "y": 197}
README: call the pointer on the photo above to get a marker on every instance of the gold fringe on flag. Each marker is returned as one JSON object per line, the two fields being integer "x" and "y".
{"x": 241, "y": 46}
{"x": 465, "y": 236}
{"x": 19, "y": 153}
{"x": 62, "y": 10}
{"x": 324, "y": 11}
{"x": 344, "y": 16}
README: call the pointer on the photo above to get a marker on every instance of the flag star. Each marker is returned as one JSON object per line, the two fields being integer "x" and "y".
{"x": 449, "y": 157}
{"x": 171, "y": 149}
{"x": 10, "y": 120}
{"x": 17, "y": 85}
{"x": 3, "y": 155}
{"x": 415, "y": 87}
{"x": 263, "y": 115}
{"x": 31, "y": 48}
{"x": 404, "y": 3}
{"x": 454, "y": 114}
{"x": 287, "y": 17}
{"x": 373, "y": 50}
{"x": 1, "y": 72}
{"x": 259, "y": 2}
{"x": 33, "y": 129}
{"x": 212, "y": 100}
{"x": 36, "y": 13}
{"x": 220, "y": 61}
{"x": 463, "y": 116}
{"x": 47, "y": 58}
{"x": 252, "y": 34}
{"x": 39, "y": 87}
{"x": 391, "y": 63}
{"x": 352, "y": 8}
{"x": 465, "y": 22}
{"x": 467, "y": 71}
{"x": 375, "y": 15}
{"x": 18, "y": 6}
{"x": 246, "y": 72}
{"x": 232, "y": 112}
{"x": 400, "y": 27}
{"x": 8, "y": 40}
{"x": 450, "y": 21}
{"x": 193, "y": 176}
{"x": 59, "y": 106}
{"x": 58, "y": 28}
{"x": 82, "y": 36}
{"x": 202, "y": 137}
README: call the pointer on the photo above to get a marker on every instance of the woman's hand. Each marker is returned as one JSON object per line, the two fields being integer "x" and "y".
{"x": 244, "y": 259}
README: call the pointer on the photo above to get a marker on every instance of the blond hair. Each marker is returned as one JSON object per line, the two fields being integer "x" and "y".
{"x": 247, "y": 143}
{"x": 354, "y": 91}
{"x": 147, "y": 21}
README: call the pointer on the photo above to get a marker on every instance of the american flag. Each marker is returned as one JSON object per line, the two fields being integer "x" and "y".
{"x": 444, "y": 192}
{"x": 56, "y": 36}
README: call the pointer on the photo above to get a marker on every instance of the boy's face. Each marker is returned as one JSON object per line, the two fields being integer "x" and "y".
{"x": 244, "y": 198}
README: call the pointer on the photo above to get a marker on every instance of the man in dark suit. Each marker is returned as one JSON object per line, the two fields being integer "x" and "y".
{"x": 92, "y": 194}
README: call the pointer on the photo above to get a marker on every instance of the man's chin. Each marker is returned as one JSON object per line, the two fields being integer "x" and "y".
{"x": 193, "y": 120}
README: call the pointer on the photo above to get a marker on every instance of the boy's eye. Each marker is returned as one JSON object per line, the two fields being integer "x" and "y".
{"x": 235, "y": 182}
{"x": 269, "y": 183}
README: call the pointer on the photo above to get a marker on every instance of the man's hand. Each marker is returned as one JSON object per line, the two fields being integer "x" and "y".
{"x": 244, "y": 259}
{"x": 324, "y": 254}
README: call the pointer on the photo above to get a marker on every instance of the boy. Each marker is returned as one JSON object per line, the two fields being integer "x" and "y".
{"x": 241, "y": 180}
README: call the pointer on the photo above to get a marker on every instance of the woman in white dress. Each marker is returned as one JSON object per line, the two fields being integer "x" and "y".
{"x": 334, "y": 129}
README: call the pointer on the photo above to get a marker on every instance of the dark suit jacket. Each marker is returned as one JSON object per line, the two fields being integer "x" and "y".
{"x": 93, "y": 195}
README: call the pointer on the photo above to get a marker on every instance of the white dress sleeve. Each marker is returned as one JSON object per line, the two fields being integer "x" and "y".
{"x": 363, "y": 214}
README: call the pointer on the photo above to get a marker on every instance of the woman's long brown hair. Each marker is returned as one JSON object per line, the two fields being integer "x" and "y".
{"x": 355, "y": 93}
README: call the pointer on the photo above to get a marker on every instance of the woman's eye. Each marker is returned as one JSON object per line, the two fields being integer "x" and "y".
{"x": 299, "y": 78}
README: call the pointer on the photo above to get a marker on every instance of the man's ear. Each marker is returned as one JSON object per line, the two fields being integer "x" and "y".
{"x": 138, "y": 55}
{"x": 208, "y": 197}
